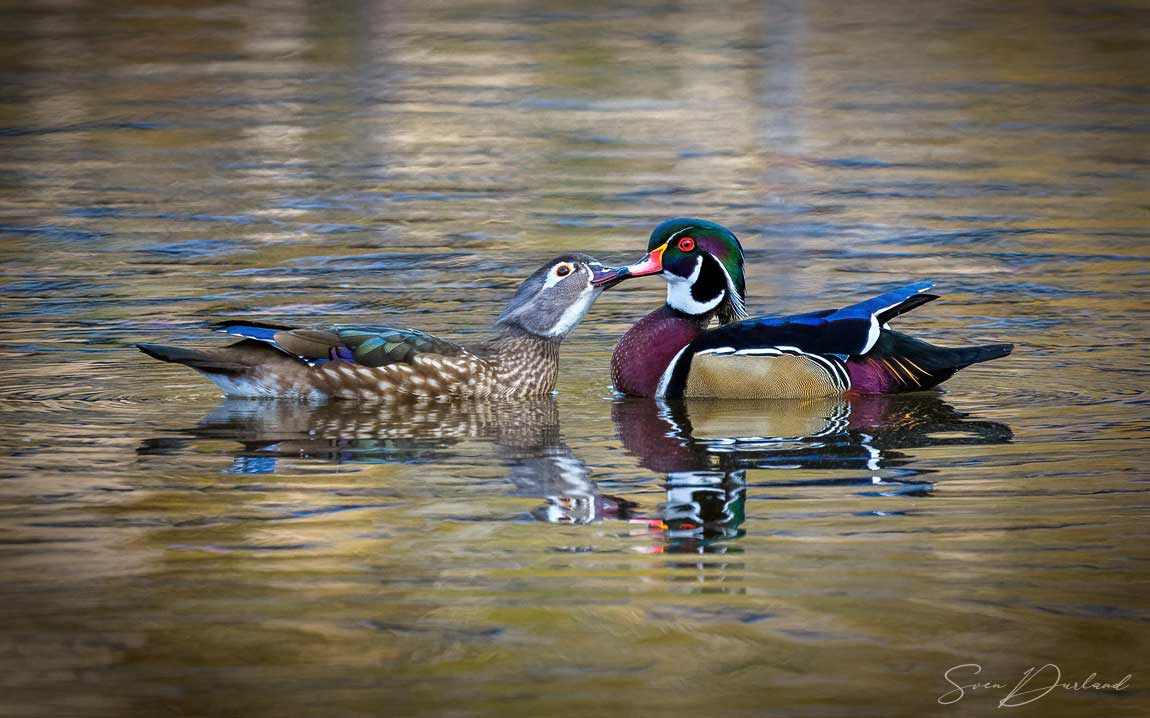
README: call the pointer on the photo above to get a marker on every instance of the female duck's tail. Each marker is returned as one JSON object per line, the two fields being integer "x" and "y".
{"x": 247, "y": 368}
{"x": 224, "y": 360}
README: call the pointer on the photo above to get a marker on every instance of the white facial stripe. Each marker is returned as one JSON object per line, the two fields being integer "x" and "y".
{"x": 736, "y": 300}
{"x": 674, "y": 279}
{"x": 679, "y": 292}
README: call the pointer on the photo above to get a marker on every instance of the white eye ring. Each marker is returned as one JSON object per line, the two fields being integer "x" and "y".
{"x": 558, "y": 273}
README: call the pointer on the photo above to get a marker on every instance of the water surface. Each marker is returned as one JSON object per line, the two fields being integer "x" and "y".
{"x": 164, "y": 165}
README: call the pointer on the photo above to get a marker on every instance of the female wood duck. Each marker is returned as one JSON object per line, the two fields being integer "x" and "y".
{"x": 671, "y": 354}
{"x": 520, "y": 360}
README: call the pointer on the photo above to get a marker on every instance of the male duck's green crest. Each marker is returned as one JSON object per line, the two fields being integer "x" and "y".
{"x": 701, "y": 261}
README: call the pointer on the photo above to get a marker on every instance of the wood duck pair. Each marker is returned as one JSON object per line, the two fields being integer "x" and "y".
{"x": 670, "y": 353}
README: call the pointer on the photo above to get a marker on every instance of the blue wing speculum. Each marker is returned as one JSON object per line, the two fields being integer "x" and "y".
{"x": 266, "y": 333}
{"x": 259, "y": 332}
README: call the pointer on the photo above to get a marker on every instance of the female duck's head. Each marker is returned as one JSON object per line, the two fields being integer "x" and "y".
{"x": 702, "y": 263}
{"x": 551, "y": 302}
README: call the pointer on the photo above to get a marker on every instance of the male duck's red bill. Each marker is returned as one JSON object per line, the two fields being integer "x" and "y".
{"x": 651, "y": 263}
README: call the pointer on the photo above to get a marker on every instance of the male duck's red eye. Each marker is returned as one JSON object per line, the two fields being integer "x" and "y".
{"x": 686, "y": 244}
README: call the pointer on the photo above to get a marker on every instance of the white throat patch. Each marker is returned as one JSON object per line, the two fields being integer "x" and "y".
{"x": 573, "y": 314}
{"x": 679, "y": 292}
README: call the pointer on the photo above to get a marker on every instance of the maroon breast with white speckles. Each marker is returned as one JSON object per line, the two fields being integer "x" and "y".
{"x": 647, "y": 348}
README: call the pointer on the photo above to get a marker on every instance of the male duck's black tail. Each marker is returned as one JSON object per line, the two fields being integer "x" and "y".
{"x": 963, "y": 357}
{"x": 914, "y": 365}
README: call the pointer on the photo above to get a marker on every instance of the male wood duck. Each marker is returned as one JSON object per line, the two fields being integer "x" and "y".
{"x": 671, "y": 353}
{"x": 519, "y": 360}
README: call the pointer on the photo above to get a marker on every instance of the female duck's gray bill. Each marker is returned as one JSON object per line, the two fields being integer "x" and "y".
{"x": 607, "y": 277}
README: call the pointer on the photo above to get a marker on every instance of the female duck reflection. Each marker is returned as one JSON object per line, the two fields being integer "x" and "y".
{"x": 525, "y": 436}
{"x": 702, "y": 447}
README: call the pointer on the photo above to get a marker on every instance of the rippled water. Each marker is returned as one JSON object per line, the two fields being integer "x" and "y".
{"x": 164, "y": 164}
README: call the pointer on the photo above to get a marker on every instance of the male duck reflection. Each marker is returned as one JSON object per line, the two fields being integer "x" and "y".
{"x": 705, "y": 448}
{"x": 520, "y": 361}
{"x": 671, "y": 354}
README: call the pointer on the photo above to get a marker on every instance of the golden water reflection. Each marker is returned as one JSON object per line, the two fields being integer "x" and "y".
{"x": 704, "y": 449}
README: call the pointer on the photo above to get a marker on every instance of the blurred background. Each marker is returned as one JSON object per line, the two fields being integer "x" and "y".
{"x": 168, "y": 163}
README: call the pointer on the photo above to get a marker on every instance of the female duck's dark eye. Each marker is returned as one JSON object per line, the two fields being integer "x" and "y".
{"x": 686, "y": 244}
{"x": 563, "y": 270}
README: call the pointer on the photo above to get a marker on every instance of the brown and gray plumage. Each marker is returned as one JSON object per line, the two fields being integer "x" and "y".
{"x": 520, "y": 359}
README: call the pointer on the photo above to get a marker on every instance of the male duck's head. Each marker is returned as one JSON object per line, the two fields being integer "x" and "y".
{"x": 702, "y": 263}
{"x": 552, "y": 301}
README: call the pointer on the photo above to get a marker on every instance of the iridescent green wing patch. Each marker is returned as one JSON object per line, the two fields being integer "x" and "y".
{"x": 380, "y": 346}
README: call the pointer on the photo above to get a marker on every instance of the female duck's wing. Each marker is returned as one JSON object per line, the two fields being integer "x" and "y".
{"x": 372, "y": 346}
{"x": 798, "y": 356}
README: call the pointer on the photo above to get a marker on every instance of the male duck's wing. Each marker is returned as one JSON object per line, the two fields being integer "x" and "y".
{"x": 373, "y": 346}
{"x": 849, "y": 331}
{"x": 807, "y": 350}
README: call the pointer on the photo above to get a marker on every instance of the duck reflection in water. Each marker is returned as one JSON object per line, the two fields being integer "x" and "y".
{"x": 702, "y": 447}
{"x": 705, "y": 447}
{"x": 525, "y": 436}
